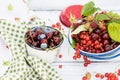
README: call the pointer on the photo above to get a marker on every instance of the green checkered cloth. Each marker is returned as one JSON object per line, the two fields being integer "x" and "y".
{"x": 22, "y": 66}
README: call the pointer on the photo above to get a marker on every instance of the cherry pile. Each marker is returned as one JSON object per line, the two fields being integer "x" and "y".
{"x": 96, "y": 40}
{"x": 43, "y": 37}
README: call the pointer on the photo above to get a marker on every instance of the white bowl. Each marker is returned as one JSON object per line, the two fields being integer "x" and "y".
{"x": 101, "y": 56}
{"x": 49, "y": 55}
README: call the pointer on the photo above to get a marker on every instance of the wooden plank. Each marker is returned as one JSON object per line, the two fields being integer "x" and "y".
{"x": 61, "y": 4}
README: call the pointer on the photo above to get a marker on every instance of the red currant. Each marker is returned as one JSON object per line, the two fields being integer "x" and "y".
{"x": 85, "y": 57}
{"x": 84, "y": 78}
{"x": 60, "y": 66}
{"x": 88, "y": 61}
{"x": 97, "y": 75}
{"x": 74, "y": 57}
{"x": 60, "y": 55}
{"x": 101, "y": 76}
{"x": 85, "y": 64}
{"x": 78, "y": 56}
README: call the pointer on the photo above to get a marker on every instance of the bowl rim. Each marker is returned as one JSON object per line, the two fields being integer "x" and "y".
{"x": 93, "y": 54}
{"x": 62, "y": 39}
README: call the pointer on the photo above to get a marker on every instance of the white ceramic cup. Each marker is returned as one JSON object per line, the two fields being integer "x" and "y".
{"x": 49, "y": 55}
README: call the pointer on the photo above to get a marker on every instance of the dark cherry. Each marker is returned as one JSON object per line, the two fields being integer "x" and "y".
{"x": 56, "y": 40}
{"x": 34, "y": 35}
{"x": 94, "y": 36}
{"x": 49, "y": 35}
{"x": 97, "y": 31}
{"x": 105, "y": 36}
{"x": 107, "y": 47}
{"x": 94, "y": 25}
{"x": 52, "y": 44}
{"x": 105, "y": 42}
{"x": 35, "y": 44}
{"x": 39, "y": 31}
{"x": 56, "y": 33}
{"x": 76, "y": 25}
{"x": 43, "y": 41}
{"x": 29, "y": 41}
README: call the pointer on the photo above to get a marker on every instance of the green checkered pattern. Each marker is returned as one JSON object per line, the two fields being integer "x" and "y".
{"x": 22, "y": 66}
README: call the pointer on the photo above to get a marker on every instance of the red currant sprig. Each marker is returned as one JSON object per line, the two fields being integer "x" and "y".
{"x": 77, "y": 55}
{"x": 108, "y": 75}
{"x": 86, "y": 61}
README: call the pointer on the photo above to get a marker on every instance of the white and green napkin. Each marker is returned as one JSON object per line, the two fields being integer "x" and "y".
{"x": 24, "y": 67}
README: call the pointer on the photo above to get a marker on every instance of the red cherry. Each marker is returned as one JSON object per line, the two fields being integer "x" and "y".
{"x": 75, "y": 10}
{"x": 43, "y": 41}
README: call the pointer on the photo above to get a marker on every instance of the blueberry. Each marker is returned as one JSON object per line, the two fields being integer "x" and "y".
{"x": 47, "y": 30}
{"x": 41, "y": 36}
{"x": 43, "y": 45}
{"x": 35, "y": 28}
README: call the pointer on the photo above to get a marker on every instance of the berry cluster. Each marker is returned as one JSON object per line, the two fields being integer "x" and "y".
{"x": 43, "y": 37}
{"x": 94, "y": 42}
{"x": 94, "y": 39}
{"x": 86, "y": 61}
{"x": 77, "y": 55}
{"x": 106, "y": 76}
{"x": 57, "y": 25}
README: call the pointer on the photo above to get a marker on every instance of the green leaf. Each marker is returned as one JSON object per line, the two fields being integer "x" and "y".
{"x": 113, "y": 15}
{"x": 79, "y": 29}
{"x": 101, "y": 17}
{"x": 115, "y": 20}
{"x": 89, "y": 9}
{"x": 114, "y": 31}
{"x": 73, "y": 43}
{"x": 10, "y": 7}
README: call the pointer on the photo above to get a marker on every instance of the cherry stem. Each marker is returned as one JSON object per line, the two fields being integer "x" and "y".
{"x": 31, "y": 36}
{"x": 113, "y": 44}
